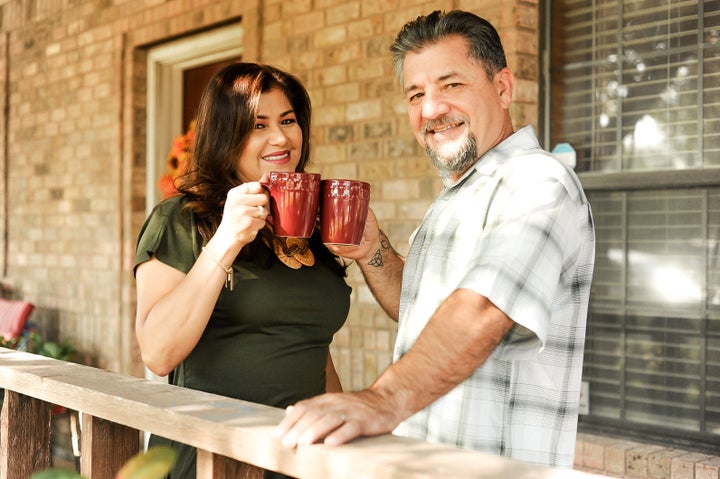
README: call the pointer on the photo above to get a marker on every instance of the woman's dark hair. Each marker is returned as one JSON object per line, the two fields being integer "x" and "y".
{"x": 483, "y": 40}
{"x": 226, "y": 118}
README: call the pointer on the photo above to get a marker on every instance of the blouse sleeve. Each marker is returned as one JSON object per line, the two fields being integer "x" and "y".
{"x": 169, "y": 234}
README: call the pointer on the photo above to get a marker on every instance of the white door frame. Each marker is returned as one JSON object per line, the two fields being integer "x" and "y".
{"x": 165, "y": 66}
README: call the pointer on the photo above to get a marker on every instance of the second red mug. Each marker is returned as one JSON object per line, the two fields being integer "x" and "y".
{"x": 343, "y": 210}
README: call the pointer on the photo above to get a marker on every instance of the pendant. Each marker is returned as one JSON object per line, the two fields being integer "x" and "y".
{"x": 293, "y": 252}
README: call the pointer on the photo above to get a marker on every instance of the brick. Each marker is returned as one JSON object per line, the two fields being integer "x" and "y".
{"x": 340, "y": 170}
{"x": 330, "y": 36}
{"x": 363, "y": 151}
{"x": 378, "y": 129}
{"x": 683, "y": 467}
{"x": 309, "y": 22}
{"x": 373, "y": 7}
{"x": 402, "y": 148}
{"x": 347, "y": 92}
{"x": 324, "y": 154}
{"x": 659, "y": 463}
{"x": 296, "y": 6}
{"x": 636, "y": 460}
{"x": 329, "y": 115}
{"x": 342, "y": 13}
{"x": 340, "y": 134}
{"x": 371, "y": 170}
{"x": 368, "y": 69}
{"x": 332, "y": 75}
{"x": 363, "y": 110}
{"x": 614, "y": 456}
{"x": 399, "y": 189}
{"x": 344, "y": 53}
{"x": 364, "y": 28}
{"x": 708, "y": 468}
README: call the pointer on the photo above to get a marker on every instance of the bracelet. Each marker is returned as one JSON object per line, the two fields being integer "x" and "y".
{"x": 230, "y": 279}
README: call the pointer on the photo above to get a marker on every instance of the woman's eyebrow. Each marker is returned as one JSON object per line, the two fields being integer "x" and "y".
{"x": 285, "y": 113}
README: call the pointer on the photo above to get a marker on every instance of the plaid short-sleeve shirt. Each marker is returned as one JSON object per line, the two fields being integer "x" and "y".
{"x": 517, "y": 229}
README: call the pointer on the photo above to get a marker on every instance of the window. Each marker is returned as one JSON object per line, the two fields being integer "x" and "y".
{"x": 636, "y": 83}
{"x": 635, "y": 89}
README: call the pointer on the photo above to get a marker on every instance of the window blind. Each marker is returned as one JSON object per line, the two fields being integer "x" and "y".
{"x": 636, "y": 84}
{"x": 635, "y": 87}
{"x": 653, "y": 338}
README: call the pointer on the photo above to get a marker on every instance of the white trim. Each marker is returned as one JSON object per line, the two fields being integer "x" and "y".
{"x": 165, "y": 65}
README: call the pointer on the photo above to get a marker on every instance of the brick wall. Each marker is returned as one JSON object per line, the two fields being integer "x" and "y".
{"x": 72, "y": 157}
{"x": 72, "y": 148}
{"x": 340, "y": 51}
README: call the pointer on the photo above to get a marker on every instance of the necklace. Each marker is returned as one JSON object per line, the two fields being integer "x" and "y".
{"x": 293, "y": 252}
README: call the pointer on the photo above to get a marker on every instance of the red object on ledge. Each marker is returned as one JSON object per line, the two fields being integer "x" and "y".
{"x": 13, "y": 316}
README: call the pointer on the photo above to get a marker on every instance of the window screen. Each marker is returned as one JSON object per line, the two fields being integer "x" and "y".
{"x": 635, "y": 89}
{"x": 653, "y": 339}
{"x": 636, "y": 83}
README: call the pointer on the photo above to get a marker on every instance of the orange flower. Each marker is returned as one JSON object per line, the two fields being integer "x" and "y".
{"x": 177, "y": 161}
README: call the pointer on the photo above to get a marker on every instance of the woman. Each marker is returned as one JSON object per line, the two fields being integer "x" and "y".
{"x": 218, "y": 310}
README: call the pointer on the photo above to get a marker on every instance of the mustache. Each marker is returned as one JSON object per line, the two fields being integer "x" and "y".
{"x": 442, "y": 121}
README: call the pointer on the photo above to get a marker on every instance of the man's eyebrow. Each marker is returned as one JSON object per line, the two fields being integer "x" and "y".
{"x": 441, "y": 78}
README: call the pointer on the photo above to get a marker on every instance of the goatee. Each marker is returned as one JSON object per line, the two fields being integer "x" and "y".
{"x": 457, "y": 161}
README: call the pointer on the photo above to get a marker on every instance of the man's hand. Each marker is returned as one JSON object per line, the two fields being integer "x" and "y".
{"x": 337, "y": 418}
{"x": 368, "y": 243}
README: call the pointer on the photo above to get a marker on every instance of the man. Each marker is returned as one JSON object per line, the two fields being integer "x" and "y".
{"x": 492, "y": 299}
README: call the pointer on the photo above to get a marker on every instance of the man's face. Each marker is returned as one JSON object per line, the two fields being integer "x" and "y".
{"x": 456, "y": 112}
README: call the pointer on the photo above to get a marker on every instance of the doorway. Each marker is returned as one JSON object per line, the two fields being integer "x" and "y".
{"x": 177, "y": 72}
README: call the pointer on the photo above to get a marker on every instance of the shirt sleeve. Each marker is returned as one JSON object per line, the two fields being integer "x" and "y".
{"x": 169, "y": 234}
{"x": 526, "y": 248}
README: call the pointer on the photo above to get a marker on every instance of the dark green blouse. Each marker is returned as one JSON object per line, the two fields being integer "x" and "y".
{"x": 267, "y": 340}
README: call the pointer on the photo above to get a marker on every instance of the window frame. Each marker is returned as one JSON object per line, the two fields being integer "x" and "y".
{"x": 628, "y": 181}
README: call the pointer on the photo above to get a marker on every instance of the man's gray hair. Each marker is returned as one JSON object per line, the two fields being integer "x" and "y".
{"x": 483, "y": 40}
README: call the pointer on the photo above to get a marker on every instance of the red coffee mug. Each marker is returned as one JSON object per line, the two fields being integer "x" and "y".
{"x": 293, "y": 202}
{"x": 343, "y": 210}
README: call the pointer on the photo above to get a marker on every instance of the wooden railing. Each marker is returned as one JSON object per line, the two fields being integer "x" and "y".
{"x": 116, "y": 409}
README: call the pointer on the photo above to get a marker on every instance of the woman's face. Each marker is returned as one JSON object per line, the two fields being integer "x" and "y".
{"x": 276, "y": 141}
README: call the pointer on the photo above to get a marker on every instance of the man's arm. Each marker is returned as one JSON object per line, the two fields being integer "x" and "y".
{"x": 380, "y": 264}
{"x": 460, "y": 336}
{"x": 383, "y": 275}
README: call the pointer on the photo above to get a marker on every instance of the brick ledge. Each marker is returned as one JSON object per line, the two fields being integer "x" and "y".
{"x": 622, "y": 458}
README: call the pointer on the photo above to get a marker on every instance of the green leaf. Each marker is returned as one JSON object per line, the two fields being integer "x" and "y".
{"x": 153, "y": 464}
{"x": 51, "y": 350}
{"x": 56, "y": 474}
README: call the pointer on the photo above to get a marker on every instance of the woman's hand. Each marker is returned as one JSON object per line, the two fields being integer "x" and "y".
{"x": 245, "y": 212}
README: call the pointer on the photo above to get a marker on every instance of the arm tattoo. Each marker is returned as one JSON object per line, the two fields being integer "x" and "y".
{"x": 377, "y": 260}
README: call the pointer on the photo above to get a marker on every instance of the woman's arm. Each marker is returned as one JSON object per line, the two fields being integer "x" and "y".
{"x": 332, "y": 380}
{"x": 173, "y": 308}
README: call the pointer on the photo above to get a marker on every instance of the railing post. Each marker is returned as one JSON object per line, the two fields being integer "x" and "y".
{"x": 25, "y": 427}
{"x": 105, "y": 446}
{"x": 215, "y": 466}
